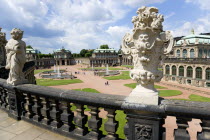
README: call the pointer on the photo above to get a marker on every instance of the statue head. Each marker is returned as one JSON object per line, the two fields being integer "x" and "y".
{"x": 143, "y": 37}
{"x": 16, "y": 34}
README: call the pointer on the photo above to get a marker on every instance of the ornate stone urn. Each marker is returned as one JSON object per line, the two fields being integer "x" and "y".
{"x": 147, "y": 46}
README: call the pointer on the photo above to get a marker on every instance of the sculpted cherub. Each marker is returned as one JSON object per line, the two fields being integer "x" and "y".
{"x": 15, "y": 51}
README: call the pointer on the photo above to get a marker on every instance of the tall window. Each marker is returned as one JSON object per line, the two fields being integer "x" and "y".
{"x": 181, "y": 71}
{"x": 173, "y": 70}
{"x": 208, "y": 74}
{"x": 208, "y": 55}
{"x": 189, "y": 72}
{"x": 192, "y": 53}
{"x": 205, "y": 53}
{"x": 184, "y": 53}
{"x": 178, "y": 53}
{"x": 200, "y": 53}
{"x": 198, "y": 73}
{"x": 167, "y": 69}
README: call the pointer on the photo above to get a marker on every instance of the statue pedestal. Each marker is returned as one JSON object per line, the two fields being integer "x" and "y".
{"x": 141, "y": 95}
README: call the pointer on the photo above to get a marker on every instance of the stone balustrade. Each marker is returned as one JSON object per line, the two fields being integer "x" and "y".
{"x": 82, "y": 115}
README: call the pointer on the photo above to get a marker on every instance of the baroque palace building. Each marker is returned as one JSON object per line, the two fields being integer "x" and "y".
{"x": 189, "y": 63}
{"x": 63, "y": 57}
{"x": 101, "y": 57}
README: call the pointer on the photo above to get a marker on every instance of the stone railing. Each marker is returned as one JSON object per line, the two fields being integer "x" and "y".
{"x": 82, "y": 115}
{"x": 28, "y": 71}
{"x": 186, "y": 60}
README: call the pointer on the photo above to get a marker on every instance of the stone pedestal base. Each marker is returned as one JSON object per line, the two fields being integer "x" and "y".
{"x": 145, "y": 96}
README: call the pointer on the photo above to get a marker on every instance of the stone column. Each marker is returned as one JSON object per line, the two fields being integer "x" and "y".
{"x": 194, "y": 72}
{"x": 185, "y": 71}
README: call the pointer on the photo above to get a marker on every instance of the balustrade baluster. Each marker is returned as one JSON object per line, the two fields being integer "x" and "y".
{"x": 181, "y": 132}
{"x": 94, "y": 123}
{"x": 45, "y": 111}
{"x": 80, "y": 120}
{"x": 205, "y": 134}
{"x": 28, "y": 103}
{"x": 111, "y": 125}
{"x": 55, "y": 114}
{"x": 36, "y": 109}
{"x": 67, "y": 117}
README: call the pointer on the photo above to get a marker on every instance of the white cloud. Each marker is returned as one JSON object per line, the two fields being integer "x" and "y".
{"x": 200, "y": 25}
{"x": 74, "y": 24}
{"x": 203, "y": 4}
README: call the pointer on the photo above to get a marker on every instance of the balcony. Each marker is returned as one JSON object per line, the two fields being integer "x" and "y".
{"x": 81, "y": 115}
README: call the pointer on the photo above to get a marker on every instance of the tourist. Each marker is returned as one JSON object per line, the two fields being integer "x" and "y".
{"x": 107, "y": 83}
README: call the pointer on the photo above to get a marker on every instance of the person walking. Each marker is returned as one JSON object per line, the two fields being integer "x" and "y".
{"x": 107, "y": 83}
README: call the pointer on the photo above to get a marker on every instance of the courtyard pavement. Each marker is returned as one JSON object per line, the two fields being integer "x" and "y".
{"x": 11, "y": 129}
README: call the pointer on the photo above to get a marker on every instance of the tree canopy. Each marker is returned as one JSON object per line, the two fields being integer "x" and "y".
{"x": 105, "y": 46}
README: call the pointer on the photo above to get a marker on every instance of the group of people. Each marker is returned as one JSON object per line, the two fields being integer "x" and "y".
{"x": 106, "y": 83}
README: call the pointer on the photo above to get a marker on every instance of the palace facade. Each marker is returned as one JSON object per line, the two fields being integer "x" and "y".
{"x": 189, "y": 63}
{"x": 63, "y": 57}
{"x": 101, "y": 57}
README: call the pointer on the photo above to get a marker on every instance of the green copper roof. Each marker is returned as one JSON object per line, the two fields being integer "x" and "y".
{"x": 62, "y": 50}
{"x": 104, "y": 50}
{"x": 194, "y": 39}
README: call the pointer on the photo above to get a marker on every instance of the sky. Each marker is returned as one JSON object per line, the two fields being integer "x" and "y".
{"x": 87, "y": 24}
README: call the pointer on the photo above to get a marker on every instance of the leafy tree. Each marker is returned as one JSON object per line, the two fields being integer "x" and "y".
{"x": 45, "y": 55}
{"x": 88, "y": 54}
{"x": 104, "y": 46}
{"x": 29, "y": 47}
{"x": 83, "y": 52}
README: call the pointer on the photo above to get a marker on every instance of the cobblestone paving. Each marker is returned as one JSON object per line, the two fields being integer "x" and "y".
{"x": 11, "y": 129}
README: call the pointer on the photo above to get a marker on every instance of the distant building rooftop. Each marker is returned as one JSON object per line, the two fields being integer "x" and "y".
{"x": 61, "y": 50}
{"x": 194, "y": 39}
{"x": 104, "y": 50}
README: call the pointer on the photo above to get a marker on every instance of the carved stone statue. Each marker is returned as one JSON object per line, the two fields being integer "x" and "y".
{"x": 3, "y": 42}
{"x": 147, "y": 45}
{"x": 15, "y": 51}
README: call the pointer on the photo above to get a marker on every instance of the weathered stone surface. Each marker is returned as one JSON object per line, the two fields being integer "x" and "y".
{"x": 15, "y": 51}
{"x": 3, "y": 42}
{"x": 147, "y": 46}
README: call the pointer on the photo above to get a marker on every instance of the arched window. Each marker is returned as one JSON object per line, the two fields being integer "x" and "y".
{"x": 200, "y": 53}
{"x": 198, "y": 73}
{"x": 181, "y": 71}
{"x": 178, "y": 53}
{"x": 167, "y": 69}
{"x": 192, "y": 53}
{"x": 189, "y": 72}
{"x": 205, "y": 53}
{"x": 173, "y": 70}
{"x": 208, "y": 74}
{"x": 184, "y": 53}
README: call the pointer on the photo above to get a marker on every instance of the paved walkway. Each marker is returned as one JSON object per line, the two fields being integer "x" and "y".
{"x": 11, "y": 129}
{"x": 96, "y": 82}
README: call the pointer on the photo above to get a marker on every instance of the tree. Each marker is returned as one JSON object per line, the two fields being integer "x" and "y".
{"x": 83, "y": 52}
{"x": 104, "y": 46}
{"x": 29, "y": 47}
{"x": 88, "y": 54}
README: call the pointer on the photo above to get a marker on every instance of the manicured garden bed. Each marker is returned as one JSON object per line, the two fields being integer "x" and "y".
{"x": 123, "y": 76}
{"x": 88, "y": 90}
{"x": 51, "y": 82}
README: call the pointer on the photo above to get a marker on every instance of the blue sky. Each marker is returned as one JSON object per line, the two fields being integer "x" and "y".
{"x": 78, "y": 24}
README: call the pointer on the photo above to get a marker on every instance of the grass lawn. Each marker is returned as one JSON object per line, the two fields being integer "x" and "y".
{"x": 124, "y": 76}
{"x": 88, "y": 90}
{"x": 99, "y": 68}
{"x": 133, "y": 85}
{"x": 127, "y": 66}
{"x": 168, "y": 93}
{"x": 196, "y": 98}
{"x": 51, "y": 82}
